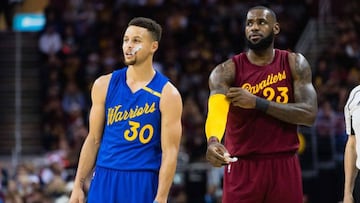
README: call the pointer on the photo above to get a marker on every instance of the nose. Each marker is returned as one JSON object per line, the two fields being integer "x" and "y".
{"x": 127, "y": 44}
{"x": 254, "y": 26}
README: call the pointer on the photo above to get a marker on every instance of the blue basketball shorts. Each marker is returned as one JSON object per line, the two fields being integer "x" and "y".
{"x": 115, "y": 186}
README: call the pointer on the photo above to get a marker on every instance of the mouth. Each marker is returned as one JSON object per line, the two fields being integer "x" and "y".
{"x": 132, "y": 52}
{"x": 255, "y": 37}
{"x": 128, "y": 55}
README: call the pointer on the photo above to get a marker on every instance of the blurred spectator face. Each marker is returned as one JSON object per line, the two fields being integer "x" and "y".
{"x": 12, "y": 186}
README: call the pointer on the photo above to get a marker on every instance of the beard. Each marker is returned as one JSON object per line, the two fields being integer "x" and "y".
{"x": 261, "y": 44}
{"x": 130, "y": 62}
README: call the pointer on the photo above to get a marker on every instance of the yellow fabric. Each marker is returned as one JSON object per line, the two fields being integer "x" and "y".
{"x": 218, "y": 108}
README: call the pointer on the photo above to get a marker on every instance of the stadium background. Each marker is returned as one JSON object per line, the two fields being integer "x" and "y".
{"x": 46, "y": 77}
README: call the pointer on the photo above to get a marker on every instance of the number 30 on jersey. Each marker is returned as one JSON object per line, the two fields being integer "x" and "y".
{"x": 136, "y": 130}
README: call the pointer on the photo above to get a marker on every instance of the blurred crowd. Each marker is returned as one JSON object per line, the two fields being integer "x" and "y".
{"x": 82, "y": 40}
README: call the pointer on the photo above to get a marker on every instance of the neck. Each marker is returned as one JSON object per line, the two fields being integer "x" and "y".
{"x": 141, "y": 72}
{"x": 261, "y": 57}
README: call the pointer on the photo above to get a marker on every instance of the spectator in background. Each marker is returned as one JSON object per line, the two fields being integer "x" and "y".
{"x": 50, "y": 42}
{"x": 7, "y": 8}
{"x": 70, "y": 41}
{"x": 73, "y": 97}
{"x": 4, "y": 178}
{"x": 91, "y": 70}
{"x": 12, "y": 193}
{"x": 325, "y": 135}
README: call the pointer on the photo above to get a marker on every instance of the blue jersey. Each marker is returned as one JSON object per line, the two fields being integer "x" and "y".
{"x": 131, "y": 137}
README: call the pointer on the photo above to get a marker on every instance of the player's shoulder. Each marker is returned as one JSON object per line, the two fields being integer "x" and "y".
{"x": 355, "y": 89}
{"x": 355, "y": 93}
{"x": 103, "y": 78}
{"x": 295, "y": 56}
{"x": 297, "y": 61}
{"x": 170, "y": 90}
{"x": 170, "y": 98}
{"x": 225, "y": 67}
{"x": 229, "y": 63}
{"x": 102, "y": 81}
{"x": 353, "y": 98}
{"x": 291, "y": 54}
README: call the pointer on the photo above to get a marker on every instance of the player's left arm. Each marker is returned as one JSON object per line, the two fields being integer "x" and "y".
{"x": 303, "y": 111}
{"x": 171, "y": 129}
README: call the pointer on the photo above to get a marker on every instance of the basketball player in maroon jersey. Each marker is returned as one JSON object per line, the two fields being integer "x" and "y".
{"x": 257, "y": 99}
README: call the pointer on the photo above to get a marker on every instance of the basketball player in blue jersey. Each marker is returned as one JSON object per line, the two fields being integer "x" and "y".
{"x": 134, "y": 127}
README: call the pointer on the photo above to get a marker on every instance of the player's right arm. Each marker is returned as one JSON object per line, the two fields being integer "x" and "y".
{"x": 92, "y": 142}
{"x": 350, "y": 169}
{"x": 220, "y": 81}
{"x": 349, "y": 157}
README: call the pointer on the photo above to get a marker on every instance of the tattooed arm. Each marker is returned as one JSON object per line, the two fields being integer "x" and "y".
{"x": 218, "y": 106}
{"x": 222, "y": 77}
{"x": 301, "y": 112}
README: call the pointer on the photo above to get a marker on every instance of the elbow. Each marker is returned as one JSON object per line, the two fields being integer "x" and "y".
{"x": 309, "y": 118}
{"x": 309, "y": 122}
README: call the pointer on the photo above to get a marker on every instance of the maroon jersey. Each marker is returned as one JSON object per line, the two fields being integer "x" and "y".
{"x": 250, "y": 131}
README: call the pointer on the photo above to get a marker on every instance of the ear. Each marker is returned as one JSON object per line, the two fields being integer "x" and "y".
{"x": 276, "y": 28}
{"x": 154, "y": 46}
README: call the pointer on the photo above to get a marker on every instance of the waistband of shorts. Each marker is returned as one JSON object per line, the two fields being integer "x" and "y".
{"x": 268, "y": 156}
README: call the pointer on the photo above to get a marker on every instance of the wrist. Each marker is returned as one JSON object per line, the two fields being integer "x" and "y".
{"x": 262, "y": 104}
{"x": 213, "y": 140}
{"x": 79, "y": 183}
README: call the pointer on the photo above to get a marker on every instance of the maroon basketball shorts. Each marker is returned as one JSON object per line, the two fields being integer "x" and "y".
{"x": 263, "y": 179}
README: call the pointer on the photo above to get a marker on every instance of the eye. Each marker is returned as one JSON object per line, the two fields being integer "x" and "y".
{"x": 249, "y": 24}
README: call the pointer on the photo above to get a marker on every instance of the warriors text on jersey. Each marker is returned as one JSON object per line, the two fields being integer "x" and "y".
{"x": 131, "y": 137}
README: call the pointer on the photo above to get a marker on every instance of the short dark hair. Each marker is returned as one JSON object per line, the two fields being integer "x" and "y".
{"x": 264, "y": 8}
{"x": 151, "y": 25}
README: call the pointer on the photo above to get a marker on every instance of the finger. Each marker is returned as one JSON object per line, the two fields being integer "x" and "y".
{"x": 230, "y": 96}
{"x": 219, "y": 160}
{"x": 216, "y": 160}
{"x": 234, "y": 99}
{"x": 219, "y": 164}
{"x": 228, "y": 158}
{"x": 232, "y": 93}
{"x": 233, "y": 89}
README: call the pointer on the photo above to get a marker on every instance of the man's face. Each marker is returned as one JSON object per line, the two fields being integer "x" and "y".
{"x": 260, "y": 29}
{"x": 137, "y": 45}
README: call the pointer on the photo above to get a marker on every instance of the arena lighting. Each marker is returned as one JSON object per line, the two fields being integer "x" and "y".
{"x": 28, "y": 22}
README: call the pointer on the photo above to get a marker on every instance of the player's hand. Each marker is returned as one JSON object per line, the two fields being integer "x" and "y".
{"x": 241, "y": 97}
{"x": 215, "y": 154}
{"x": 77, "y": 196}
